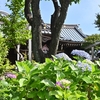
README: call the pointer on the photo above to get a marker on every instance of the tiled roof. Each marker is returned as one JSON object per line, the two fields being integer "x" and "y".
{"x": 3, "y": 13}
{"x": 68, "y": 32}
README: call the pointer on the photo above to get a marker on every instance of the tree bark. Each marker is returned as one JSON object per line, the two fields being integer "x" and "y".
{"x": 27, "y": 11}
{"x": 34, "y": 19}
{"x": 57, "y": 20}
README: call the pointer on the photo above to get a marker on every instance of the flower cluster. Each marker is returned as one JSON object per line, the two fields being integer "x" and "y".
{"x": 63, "y": 55}
{"x": 81, "y": 53}
{"x": 84, "y": 66}
{"x": 63, "y": 83}
{"x": 10, "y": 75}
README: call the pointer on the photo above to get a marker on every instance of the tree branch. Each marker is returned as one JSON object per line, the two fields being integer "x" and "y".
{"x": 57, "y": 20}
{"x": 27, "y": 11}
{"x": 97, "y": 21}
{"x": 55, "y": 15}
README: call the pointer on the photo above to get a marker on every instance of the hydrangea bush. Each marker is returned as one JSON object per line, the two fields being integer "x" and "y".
{"x": 56, "y": 79}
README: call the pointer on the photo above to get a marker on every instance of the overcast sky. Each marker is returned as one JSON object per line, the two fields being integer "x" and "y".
{"x": 83, "y": 14}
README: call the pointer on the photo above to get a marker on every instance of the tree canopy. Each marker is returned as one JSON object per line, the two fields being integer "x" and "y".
{"x": 14, "y": 25}
{"x": 93, "y": 38}
{"x": 97, "y": 21}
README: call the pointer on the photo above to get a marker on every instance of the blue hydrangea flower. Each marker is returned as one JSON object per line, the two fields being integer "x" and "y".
{"x": 81, "y": 53}
{"x": 63, "y": 55}
{"x": 84, "y": 66}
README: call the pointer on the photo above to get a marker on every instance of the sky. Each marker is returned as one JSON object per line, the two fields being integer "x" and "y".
{"x": 83, "y": 14}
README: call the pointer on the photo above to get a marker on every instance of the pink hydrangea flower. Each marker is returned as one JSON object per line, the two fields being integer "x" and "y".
{"x": 63, "y": 83}
{"x": 10, "y": 75}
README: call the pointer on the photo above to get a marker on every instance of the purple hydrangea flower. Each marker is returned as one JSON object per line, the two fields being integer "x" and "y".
{"x": 81, "y": 53}
{"x": 10, "y": 75}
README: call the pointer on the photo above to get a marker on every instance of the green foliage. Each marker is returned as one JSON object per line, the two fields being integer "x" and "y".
{"x": 14, "y": 25}
{"x": 41, "y": 81}
{"x": 75, "y": 1}
{"x": 4, "y": 62}
{"x": 97, "y": 21}
{"x": 3, "y": 49}
{"x": 93, "y": 38}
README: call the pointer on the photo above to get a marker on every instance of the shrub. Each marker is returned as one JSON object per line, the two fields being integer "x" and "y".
{"x": 53, "y": 80}
{"x": 3, "y": 49}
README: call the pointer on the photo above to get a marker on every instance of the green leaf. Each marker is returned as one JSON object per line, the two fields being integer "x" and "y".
{"x": 80, "y": 94}
{"x": 60, "y": 75}
{"x": 73, "y": 67}
{"x": 87, "y": 79}
{"x": 93, "y": 68}
{"x": 98, "y": 63}
{"x": 97, "y": 72}
{"x": 4, "y": 83}
{"x": 22, "y": 81}
{"x": 41, "y": 95}
{"x": 23, "y": 99}
{"x": 32, "y": 94}
{"x": 15, "y": 98}
{"x": 72, "y": 97}
{"x": 57, "y": 93}
{"x": 34, "y": 72}
{"x": 47, "y": 60}
{"x": 24, "y": 66}
{"x": 20, "y": 68}
{"x": 48, "y": 83}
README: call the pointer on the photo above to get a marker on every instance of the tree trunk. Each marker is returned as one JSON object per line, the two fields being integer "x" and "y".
{"x": 57, "y": 20}
{"x": 36, "y": 32}
{"x": 34, "y": 18}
